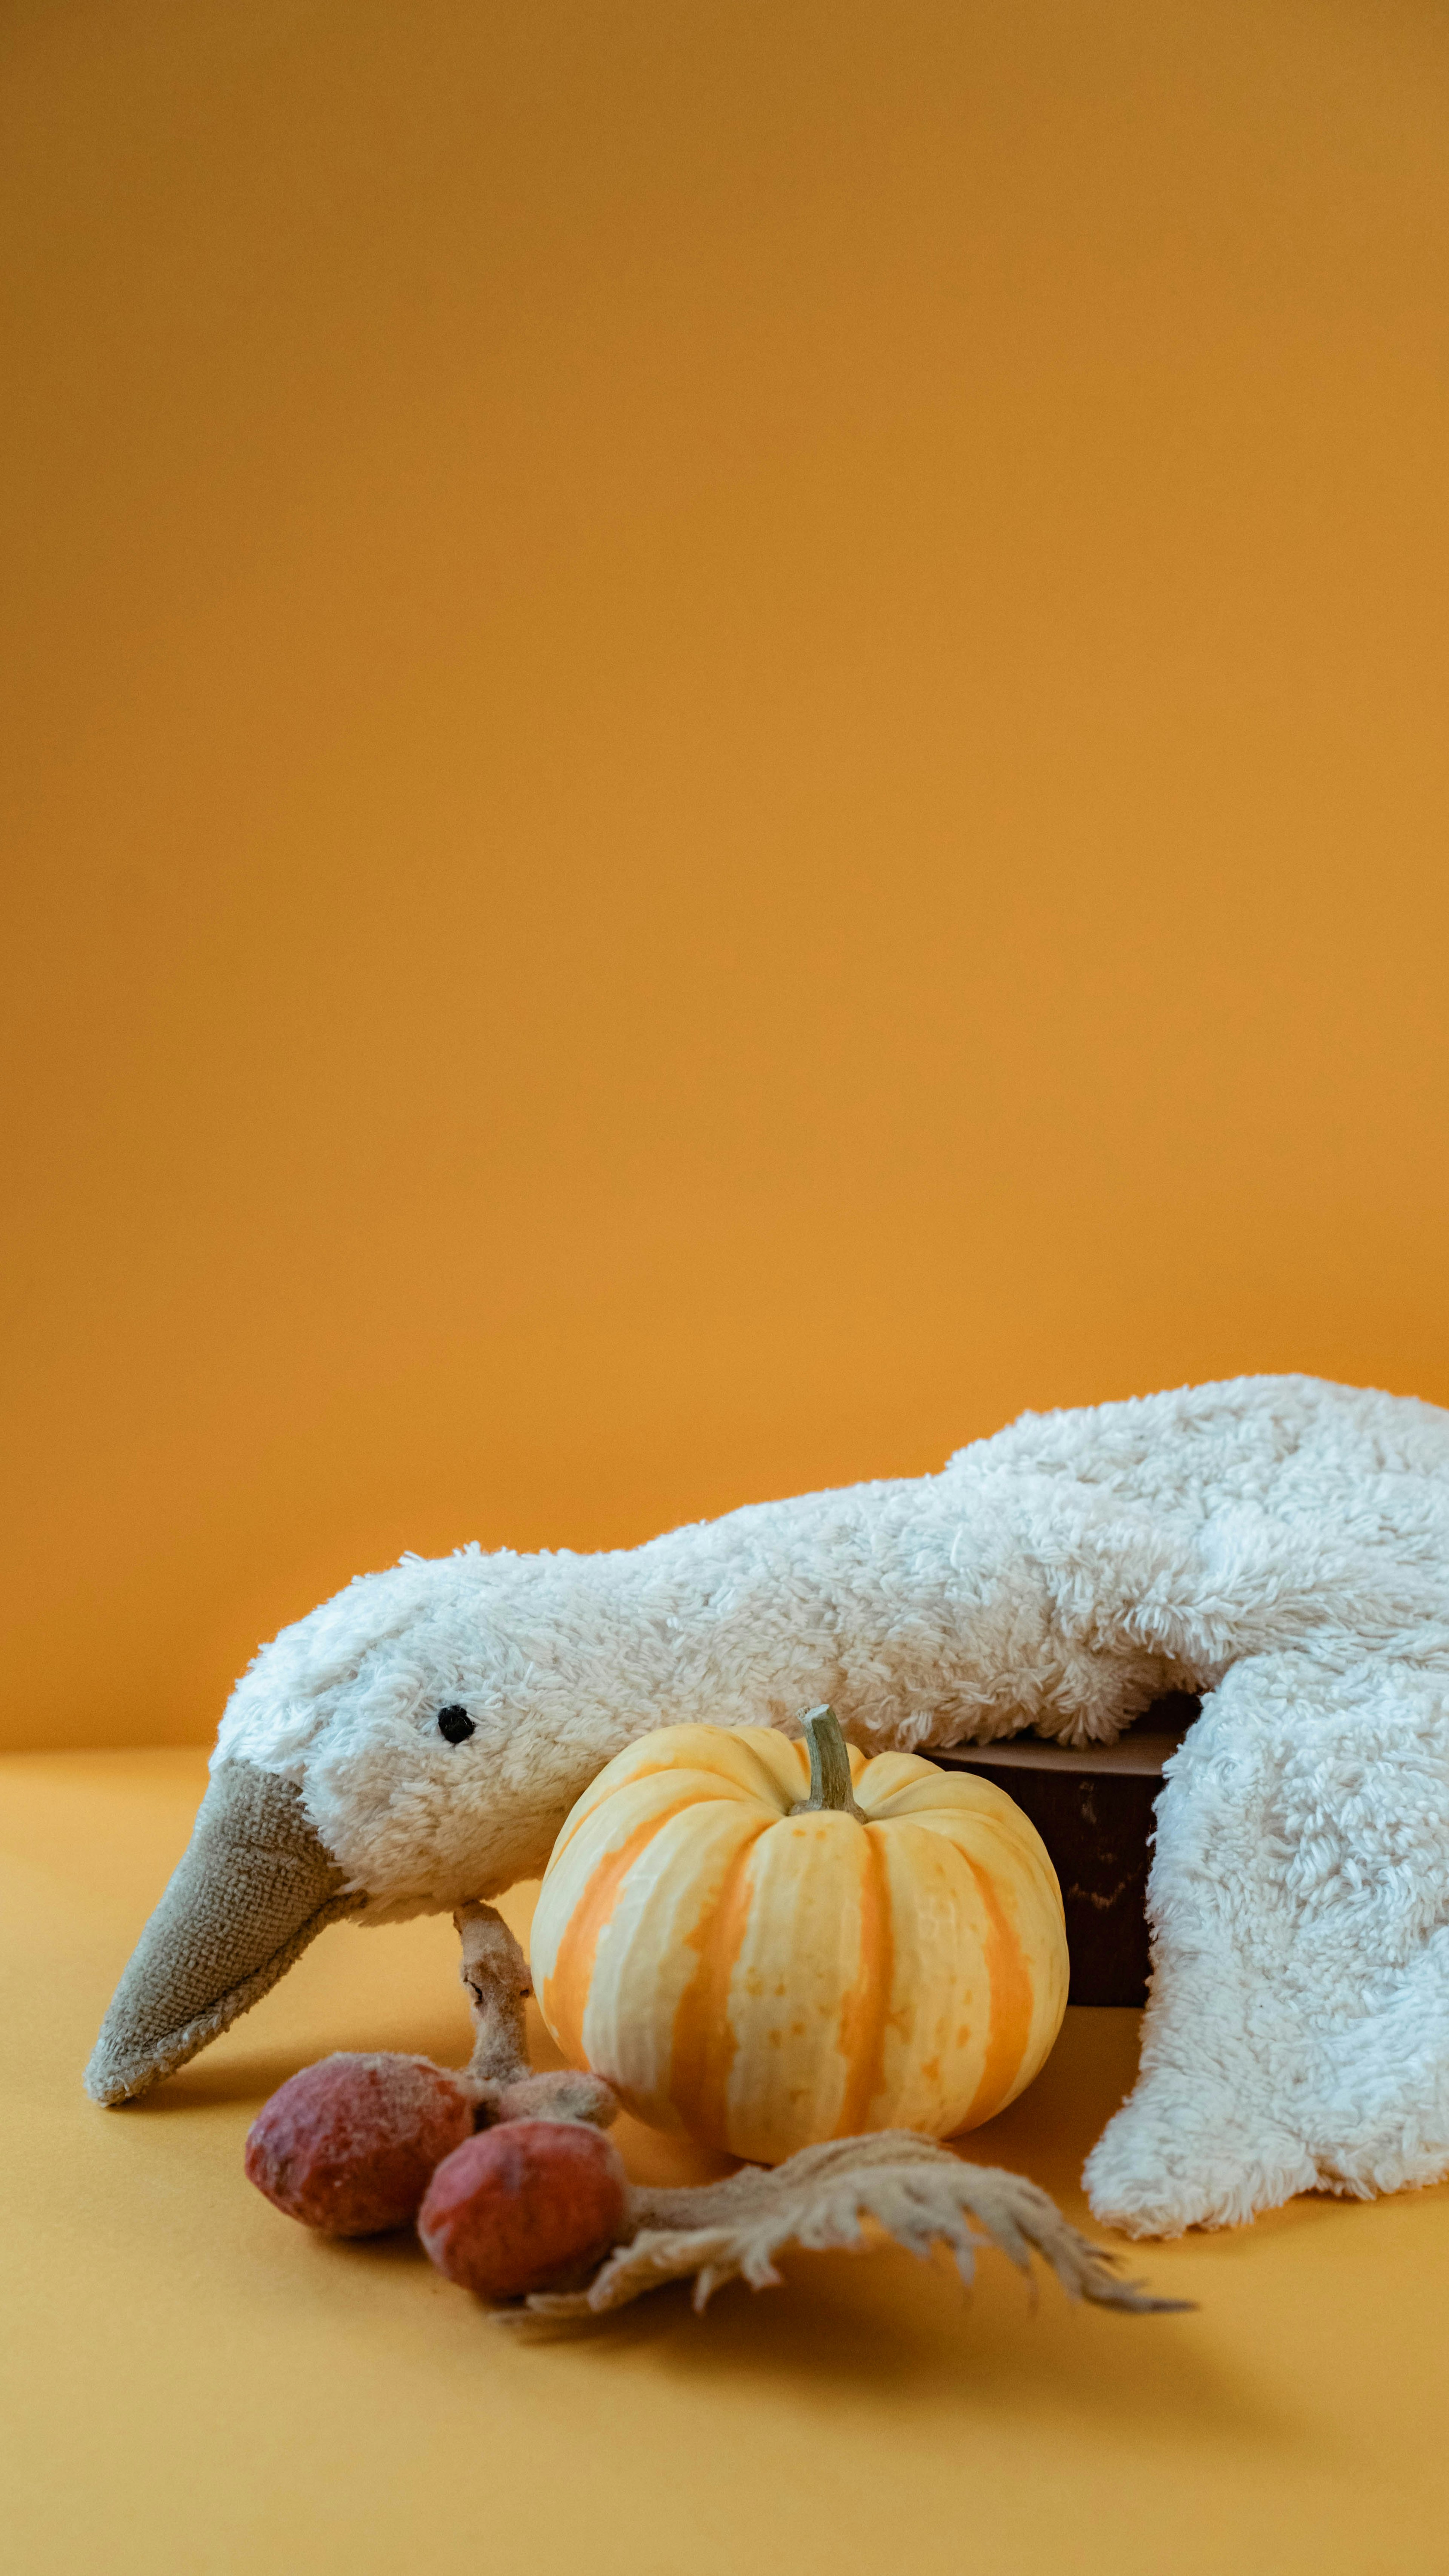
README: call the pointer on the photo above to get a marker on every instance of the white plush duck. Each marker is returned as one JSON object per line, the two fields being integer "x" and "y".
{"x": 1280, "y": 1545}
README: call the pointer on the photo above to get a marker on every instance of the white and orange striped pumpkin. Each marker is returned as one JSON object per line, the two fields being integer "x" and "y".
{"x": 765, "y": 1944}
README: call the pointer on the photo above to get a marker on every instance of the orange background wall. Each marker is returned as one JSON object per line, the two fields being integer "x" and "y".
{"x": 725, "y": 751}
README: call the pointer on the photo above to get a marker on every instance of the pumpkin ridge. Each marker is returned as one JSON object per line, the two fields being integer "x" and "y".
{"x": 865, "y": 2011}
{"x": 565, "y": 1997}
{"x": 1008, "y": 1983}
{"x": 587, "y": 1807}
{"x": 704, "y": 2042}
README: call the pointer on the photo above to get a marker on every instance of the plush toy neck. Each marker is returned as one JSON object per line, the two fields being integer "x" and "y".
{"x": 926, "y": 1611}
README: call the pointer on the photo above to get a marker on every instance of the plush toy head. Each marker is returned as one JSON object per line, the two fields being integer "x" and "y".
{"x": 372, "y": 1762}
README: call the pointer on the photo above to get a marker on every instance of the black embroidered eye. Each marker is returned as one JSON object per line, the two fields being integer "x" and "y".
{"x": 455, "y": 1723}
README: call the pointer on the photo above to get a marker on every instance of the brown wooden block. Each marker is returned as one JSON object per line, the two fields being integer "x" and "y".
{"x": 1093, "y": 1810}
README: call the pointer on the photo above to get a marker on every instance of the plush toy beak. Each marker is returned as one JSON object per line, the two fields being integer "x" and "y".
{"x": 253, "y": 1887}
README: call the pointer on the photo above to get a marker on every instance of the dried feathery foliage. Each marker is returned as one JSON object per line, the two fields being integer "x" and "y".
{"x": 915, "y": 2191}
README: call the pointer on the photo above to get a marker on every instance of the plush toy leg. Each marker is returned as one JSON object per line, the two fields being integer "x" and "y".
{"x": 495, "y": 1973}
{"x": 1301, "y": 1834}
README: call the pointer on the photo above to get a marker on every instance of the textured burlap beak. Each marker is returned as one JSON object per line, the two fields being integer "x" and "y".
{"x": 253, "y": 1887}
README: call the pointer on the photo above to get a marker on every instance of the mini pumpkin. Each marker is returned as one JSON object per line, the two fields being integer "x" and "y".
{"x": 767, "y": 1944}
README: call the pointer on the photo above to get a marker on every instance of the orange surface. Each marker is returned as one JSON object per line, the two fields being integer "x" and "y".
{"x": 191, "y": 2383}
{"x": 723, "y": 752}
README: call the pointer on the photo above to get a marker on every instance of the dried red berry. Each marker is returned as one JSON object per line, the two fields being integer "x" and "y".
{"x": 529, "y": 2205}
{"x": 349, "y": 2145}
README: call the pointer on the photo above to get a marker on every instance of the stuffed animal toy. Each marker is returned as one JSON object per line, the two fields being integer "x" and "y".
{"x": 1278, "y": 1545}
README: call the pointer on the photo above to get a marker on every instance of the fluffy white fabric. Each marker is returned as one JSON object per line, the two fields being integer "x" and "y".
{"x": 1278, "y": 1544}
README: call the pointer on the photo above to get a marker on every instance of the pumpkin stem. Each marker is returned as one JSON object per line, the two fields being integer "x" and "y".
{"x": 829, "y": 1767}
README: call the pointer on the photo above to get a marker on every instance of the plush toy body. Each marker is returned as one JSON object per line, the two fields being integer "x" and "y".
{"x": 1280, "y": 1545}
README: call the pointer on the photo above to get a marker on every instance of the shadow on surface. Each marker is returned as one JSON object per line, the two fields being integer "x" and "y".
{"x": 883, "y": 2325}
